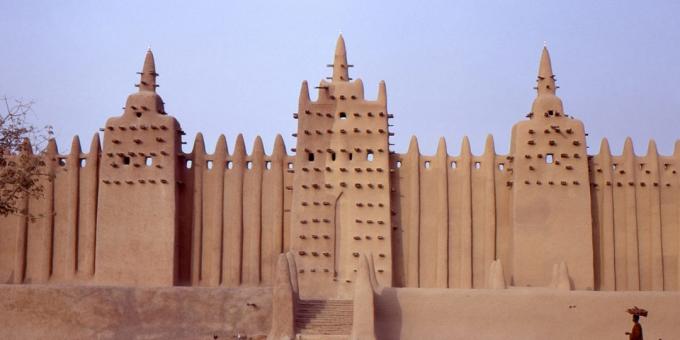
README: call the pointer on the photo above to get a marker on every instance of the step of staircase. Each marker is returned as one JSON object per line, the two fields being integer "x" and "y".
{"x": 323, "y": 317}
{"x": 321, "y": 337}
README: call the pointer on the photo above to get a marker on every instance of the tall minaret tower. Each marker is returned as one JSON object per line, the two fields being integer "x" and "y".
{"x": 551, "y": 195}
{"x": 137, "y": 215}
{"x": 341, "y": 193}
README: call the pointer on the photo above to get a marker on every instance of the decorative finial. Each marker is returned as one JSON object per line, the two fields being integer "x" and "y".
{"x": 340, "y": 68}
{"x": 546, "y": 100}
{"x": 545, "y": 43}
{"x": 148, "y": 74}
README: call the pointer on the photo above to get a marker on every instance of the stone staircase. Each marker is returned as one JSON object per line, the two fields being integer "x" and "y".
{"x": 323, "y": 319}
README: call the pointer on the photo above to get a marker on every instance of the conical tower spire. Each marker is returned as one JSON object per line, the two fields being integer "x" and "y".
{"x": 148, "y": 75}
{"x": 340, "y": 67}
{"x": 547, "y": 103}
{"x": 546, "y": 78}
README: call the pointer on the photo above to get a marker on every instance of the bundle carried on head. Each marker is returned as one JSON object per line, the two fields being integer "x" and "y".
{"x": 637, "y": 311}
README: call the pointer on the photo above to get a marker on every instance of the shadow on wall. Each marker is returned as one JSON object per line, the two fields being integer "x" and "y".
{"x": 387, "y": 308}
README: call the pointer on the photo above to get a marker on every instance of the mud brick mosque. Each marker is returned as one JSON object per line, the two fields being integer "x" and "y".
{"x": 344, "y": 238}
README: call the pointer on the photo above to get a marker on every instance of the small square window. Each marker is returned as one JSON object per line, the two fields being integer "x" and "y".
{"x": 369, "y": 156}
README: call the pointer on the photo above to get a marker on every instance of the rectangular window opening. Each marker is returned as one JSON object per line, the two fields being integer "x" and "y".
{"x": 549, "y": 158}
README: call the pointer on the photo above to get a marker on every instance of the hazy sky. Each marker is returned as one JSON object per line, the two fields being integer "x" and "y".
{"x": 452, "y": 68}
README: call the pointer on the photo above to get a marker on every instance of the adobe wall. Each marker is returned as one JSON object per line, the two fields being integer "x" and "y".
{"x": 234, "y": 213}
{"x": 142, "y": 212}
{"x": 636, "y": 221}
{"x": 451, "y": 216}
{"x": 59, "y": 245}
{"x": 82, "y": 312}
{"x": 522, "y": 313}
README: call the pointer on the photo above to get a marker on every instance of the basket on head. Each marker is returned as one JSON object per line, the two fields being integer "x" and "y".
{"x": 637, "y": 311}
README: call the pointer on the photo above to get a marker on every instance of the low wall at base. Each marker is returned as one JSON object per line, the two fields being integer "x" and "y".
{"x": 407, "y": 313}
{"x": 87, "y": 312}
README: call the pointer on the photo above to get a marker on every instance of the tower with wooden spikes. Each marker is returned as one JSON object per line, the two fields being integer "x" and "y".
{"x": 551, "y": 212}
{"x": 341, "y": 189}
{"x": 136, "y": 232}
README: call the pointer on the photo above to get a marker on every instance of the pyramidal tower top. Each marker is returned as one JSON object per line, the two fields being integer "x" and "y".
{"x": 340, "y": 66}
{"x": 146, "y": 97}
{"x": 546, "y": 103}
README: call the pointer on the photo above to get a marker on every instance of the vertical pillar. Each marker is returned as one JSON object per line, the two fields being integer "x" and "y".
{"x": 460, "y": 234}
{"x": 272, "y": 210}
{"x": 484, "y": 214}
{"x": 198, "y": 173}
{"x": 410, "y": 170}
{"x": 40, "y": 230}
{"x": 66, "y": 215}
{"x": 213, "y": 195}
{"x": 87, "y": 210}
{"x": 433, "y": 264}
{"x": 233, "y": 216}
{"x": 252, "y": 215}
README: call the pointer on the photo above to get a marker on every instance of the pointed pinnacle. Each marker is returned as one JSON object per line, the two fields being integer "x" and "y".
{"x": 382, "y": 93}
{"x": 279, "y": 150}
{"x": 239, "y": 148}
{"x": 51, "y": 148}
{"x": 413, "y": 145}
{"x": 465, "y": 149}
{"x": 651, "y": 148}
{"x": 221, "y": 148}
{"x": 304, "y": 93}
{"x": 199, "y": 144}
{"x": 489, "y": 147}
{"x": 441, "y": 147}
{"x": 604, "y": 148}
{"x": 75, "y": 146}
{"x": 628, "y": 147}
{"x": 95, "y": 147}
{"x": 545, "y": 66}
{"x": 546, "y": 78}
{"x": 676, "y": 149}
{"x": 148, "y": 74}
{"x": 258, "y": 146}
{"x": 340, "y": 69}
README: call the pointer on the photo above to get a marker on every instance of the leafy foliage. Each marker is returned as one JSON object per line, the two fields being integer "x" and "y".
{"x": 21, "y": 162}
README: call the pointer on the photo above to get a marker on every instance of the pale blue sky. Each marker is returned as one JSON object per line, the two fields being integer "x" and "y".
{"x": 452, "y": 68}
